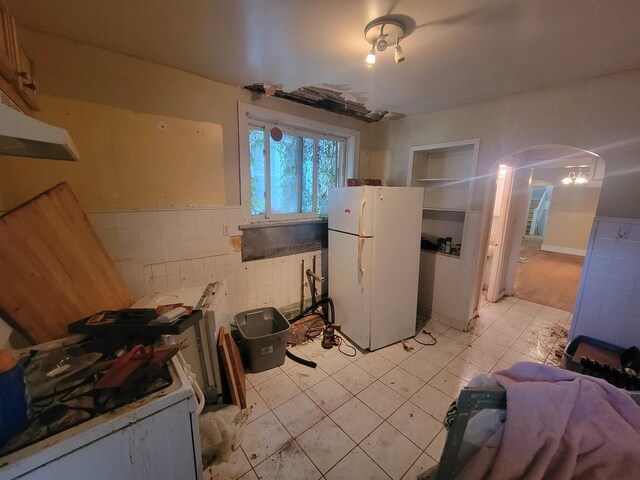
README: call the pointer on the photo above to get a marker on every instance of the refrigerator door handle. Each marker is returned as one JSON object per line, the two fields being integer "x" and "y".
{"x": 363, "y": 202}
{"x": 360, "y": 268}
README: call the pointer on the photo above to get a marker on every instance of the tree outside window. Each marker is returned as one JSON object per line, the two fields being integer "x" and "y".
{"x": 292, "y": 175}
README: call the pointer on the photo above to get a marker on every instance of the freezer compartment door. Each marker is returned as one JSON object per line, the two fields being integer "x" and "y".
{"x": 351, "y": 210}
{"x": 396, "y": 264}
{"x": 350, "y": 284}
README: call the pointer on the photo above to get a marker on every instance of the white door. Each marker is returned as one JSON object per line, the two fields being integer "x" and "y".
{"x": 350, "y": 210}
{"x": 350, "y": 284}
{"x": 396, "y": 264}
{"x": 501, "y": 214}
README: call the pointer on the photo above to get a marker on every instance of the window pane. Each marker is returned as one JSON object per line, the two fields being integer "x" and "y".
{"x": 307, "y": 175}
{"x": 286, "y": 174}
{"x": 256, "y": 159}
{"x": 329, "y": 154}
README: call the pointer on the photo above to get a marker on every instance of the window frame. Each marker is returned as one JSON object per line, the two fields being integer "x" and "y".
{"x": 251, "y": 116}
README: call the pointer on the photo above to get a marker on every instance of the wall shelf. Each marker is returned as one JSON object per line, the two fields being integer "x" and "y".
{"x": 444, "y": 209}
{"x": 451, "y": 179}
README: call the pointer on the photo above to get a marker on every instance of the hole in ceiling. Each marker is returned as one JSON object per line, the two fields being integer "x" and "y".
{"x": 331, "y": 99}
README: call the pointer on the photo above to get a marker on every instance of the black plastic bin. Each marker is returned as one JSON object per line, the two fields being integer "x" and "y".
{"x": 264, "y": 333}
{"x": 570, "y": 350}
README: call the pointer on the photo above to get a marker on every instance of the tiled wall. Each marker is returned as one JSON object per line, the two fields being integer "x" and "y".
{"x": 157, "y": 250}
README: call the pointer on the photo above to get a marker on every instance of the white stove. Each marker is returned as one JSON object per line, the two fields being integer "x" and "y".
{"x": 201, "y": 340}
{"x": 154, "y": 437}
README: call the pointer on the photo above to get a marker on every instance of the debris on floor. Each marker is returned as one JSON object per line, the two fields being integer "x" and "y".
{"x": 303, "y": 329}
{"x": 408, "y": 348}
{"x": 523, "y": 260}
{"x": 220, "y": 433}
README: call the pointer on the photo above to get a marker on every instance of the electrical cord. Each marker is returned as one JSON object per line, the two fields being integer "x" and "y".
{"x": 430, "y": 344}
{"x": 309, "y": 334}
{"x": 340, "y": 342}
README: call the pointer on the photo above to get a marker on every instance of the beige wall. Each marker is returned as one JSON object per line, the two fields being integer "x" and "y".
{"x": 571, "y": 212}
{"x": 570, "y": 218}
{"x": 112, "y": 104}
{"x": 601, "y": 115}
{"x": 128, "y": 160}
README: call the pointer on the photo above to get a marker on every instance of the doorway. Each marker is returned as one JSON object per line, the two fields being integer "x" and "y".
{"x": 547, "y": 218}
{"x": 547, "y": 278}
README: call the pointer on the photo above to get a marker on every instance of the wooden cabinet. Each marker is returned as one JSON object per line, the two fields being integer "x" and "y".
{"x": 17, "y": 71}
{"x": 26, "y": 78}
{"x": 7, "y": 51}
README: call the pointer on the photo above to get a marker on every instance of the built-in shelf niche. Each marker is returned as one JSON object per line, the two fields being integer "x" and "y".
{"x": 445, "y": 171}
{"x": 438, "y": 223}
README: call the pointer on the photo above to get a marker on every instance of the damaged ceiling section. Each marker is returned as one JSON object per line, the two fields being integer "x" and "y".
{"x": 333, "y": 98}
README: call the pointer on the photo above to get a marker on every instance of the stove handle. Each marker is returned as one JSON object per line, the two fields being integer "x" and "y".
{"x": 190, "y": 376}
{"x": 194, "y": 384}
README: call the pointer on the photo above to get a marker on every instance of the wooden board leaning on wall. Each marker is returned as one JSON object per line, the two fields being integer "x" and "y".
{"x": 54, "y": 269}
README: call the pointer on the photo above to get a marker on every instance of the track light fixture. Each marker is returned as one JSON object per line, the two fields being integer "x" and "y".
{"x": 398, "y": 55}
{"x": 382, "y": 32}
{"x": 371, "y": 57}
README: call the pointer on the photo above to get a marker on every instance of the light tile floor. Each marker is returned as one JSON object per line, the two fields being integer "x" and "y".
{"x": 379, "y": 415}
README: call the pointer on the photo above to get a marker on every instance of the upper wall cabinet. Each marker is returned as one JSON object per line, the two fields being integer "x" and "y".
{"x": 7, "y": 60}
{"x": 26, "y": 77}
{"x": 16, "y": 65}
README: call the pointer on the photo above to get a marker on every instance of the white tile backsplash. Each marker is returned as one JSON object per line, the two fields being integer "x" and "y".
{"x": 169, "y": 217}
{"x": 126, "y": 220}
{"x": 169, "y": 234}
{"x": 186, "y": 217}
{"x": 156, "y": 250}
{"x": 101, "y": 220}
{"x": 147, "y": 219}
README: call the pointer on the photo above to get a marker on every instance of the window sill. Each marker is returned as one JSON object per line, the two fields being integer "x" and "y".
{"x": 282, "y": 223}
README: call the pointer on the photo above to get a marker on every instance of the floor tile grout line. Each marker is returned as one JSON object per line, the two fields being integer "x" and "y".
{"x": 467, "y": 344}
{"x": 385, "y": 420}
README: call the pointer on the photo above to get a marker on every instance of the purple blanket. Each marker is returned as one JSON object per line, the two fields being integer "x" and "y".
{"x": 560, "y": 425}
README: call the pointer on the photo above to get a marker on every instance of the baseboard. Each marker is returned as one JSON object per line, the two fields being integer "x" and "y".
{"x": 557, "y": 249}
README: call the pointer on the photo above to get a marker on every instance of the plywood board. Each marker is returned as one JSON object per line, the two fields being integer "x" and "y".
{"x": 238, "y": 369}
{"x": 225, "y": 355}
{"x": 54, "y": 268}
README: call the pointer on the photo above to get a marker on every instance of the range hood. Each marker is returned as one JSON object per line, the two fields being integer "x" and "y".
{"x": 23, "y": 136}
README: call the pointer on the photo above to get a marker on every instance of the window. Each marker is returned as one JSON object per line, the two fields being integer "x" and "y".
{"x": 288, "y": 175}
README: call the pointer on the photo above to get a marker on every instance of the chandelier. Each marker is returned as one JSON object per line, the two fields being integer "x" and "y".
{"x": 579, "y": 179}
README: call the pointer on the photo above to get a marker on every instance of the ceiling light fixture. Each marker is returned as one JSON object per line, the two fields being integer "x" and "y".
{"x": 579, "y": 179}
{"x": 371, "y": 57}
{"x": 381, "y": 32}
{"x": 398, "y": 55}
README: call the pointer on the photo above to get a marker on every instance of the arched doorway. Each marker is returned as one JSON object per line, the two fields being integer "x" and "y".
{"x": 567, "y": 217}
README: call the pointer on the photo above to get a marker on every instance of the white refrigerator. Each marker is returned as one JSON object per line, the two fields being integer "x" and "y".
{"x": 374, "y": 261}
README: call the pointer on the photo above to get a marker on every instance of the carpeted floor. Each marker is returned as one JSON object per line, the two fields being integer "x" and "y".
{"x": 547, "y": 278}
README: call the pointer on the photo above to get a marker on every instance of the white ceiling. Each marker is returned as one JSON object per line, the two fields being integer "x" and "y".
{"x": 460, "y": 52}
